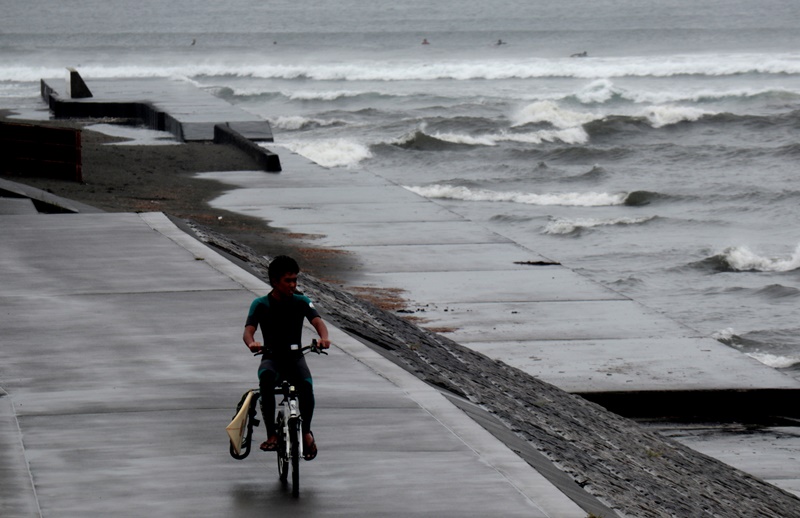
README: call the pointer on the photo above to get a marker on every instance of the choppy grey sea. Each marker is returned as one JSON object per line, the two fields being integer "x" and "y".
{"x": 651, "y": 145}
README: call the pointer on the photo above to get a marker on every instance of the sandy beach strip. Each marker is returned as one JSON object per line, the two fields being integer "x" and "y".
{"x": 160, "y": 178}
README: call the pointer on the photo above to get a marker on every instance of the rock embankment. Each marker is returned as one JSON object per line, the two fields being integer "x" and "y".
{"x": 634, "y": 471}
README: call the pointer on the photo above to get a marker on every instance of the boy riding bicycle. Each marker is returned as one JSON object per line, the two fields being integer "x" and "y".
{"x": 280, "y": 314}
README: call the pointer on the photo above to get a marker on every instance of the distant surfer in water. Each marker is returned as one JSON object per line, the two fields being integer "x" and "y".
{"x": 580, "y": 54}
{"x": 500, "y": 42}
{"x": 425, "y": 41}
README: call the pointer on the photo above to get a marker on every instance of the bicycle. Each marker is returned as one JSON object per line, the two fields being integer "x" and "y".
{"x": 288, "y": 425}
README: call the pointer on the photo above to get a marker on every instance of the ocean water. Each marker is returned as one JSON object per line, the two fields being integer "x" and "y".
{"x": 663, "y": 163}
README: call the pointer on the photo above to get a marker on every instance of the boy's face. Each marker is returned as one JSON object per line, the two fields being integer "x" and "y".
{"x": 286, "y": 285}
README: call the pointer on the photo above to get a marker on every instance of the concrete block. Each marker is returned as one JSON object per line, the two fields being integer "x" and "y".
{"x": 76, "y": 87}
{"x": 269, "y": 161}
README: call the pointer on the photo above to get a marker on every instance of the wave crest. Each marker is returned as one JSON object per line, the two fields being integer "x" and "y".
{"x": 660, "y": 116}
{"x": 585, "y": 199}
{"x": 423, "y": 70}
{"x": 743, "y": 259}
{"x": 641, "y": 198}
{"x": 330, "y": 153}
{"x": 419, "y": 139}
{"x": 764, "y": 347}
{"x": 564, "y": 226}
{"x": 550, "y": 112}
{"x": 603, "y": 91}
{"x": 294, "y": 123}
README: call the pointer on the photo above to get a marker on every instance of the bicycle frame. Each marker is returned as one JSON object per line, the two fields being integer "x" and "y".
{"x": 288, "y": 426}
{"x": 290, "y": 440}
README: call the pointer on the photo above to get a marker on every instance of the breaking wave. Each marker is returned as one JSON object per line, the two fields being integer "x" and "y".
{"x": 565, "y": 226}
{"x": 743, "y": 259}
{"x": 655, "y": 116}
{"x": 423, "y": 70}
{"x": 294, "y": 123}
{"x": 583, "y": 199}
{"x": 776, "y": 361}
{"x": 330, "y": 153}
{"x": 265, "y": 92}
{"x": 551, "y": 112}
{"x": 660, "y": 116}
{"x": 764, "y": 349}
{"x": 419, "y": 139}
{"x": 577, "y": 199}
{"x": 602, "y": 91}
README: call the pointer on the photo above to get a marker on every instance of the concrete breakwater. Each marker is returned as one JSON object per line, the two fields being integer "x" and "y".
{"x": 172, "y": 106}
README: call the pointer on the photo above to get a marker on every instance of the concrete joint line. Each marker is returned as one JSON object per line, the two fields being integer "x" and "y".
{"x": 7, "y": 408}
{"x": 518, "y": 473}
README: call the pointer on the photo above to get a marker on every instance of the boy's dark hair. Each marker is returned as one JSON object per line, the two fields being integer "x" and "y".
{"x": 280, "y": 266}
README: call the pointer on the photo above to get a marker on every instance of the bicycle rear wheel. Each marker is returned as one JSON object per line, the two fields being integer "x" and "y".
{"x": 283, "y": 457}
{"x": 294, "y": 434}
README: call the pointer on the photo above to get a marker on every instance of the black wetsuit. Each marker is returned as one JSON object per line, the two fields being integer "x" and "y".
{"x": 281, "y": 323}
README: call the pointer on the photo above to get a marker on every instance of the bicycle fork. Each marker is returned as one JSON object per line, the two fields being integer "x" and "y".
{"x": 293, "y": 415}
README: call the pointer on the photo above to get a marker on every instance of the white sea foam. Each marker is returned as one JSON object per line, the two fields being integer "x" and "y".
{"x": 410, "y": 70}
{"x": 599, "y": 91}
{"x": 321, "y": 96}
{"x": 583, "y": 199}
{"x": 702, "y": 95}
{"x": 775, "y": 360}
{"x": 660, "y": 116}
{"x": 296, "y": 122}
{"x": 330, "y": 153}
{"x": 15, "y": 90}
{"x": 663, "y": 111}
{"x": 568, "y": 226}
{"x": 711, "y": 65}
{"x": 567, "y": 136}
{"x": 548, "y": 111}
{"x": 742, "y": 258}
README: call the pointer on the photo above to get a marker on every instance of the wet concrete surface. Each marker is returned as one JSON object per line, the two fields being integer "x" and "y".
{"x": 121, "y": 364}
{"x": 485, "y": 291}
{"x": 548, "y": 321}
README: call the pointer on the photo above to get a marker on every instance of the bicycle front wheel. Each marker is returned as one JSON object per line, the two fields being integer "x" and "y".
{"x": 294, "y": 434}
{"x": 283, "y": 452}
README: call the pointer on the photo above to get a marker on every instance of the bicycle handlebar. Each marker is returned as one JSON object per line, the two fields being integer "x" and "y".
{"x": 314, "y": 347}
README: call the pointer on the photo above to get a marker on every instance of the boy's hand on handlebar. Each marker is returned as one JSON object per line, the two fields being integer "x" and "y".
{"x": 323, "y": 343}
{"x": 255, "y": 347}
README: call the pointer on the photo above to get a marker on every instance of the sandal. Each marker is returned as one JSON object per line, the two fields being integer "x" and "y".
{"x": 310, "y": 451}
{"x": 270, "y": 444}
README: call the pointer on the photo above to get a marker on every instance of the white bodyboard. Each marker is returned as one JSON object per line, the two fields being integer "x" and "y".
{"x": 236, "y": 429}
